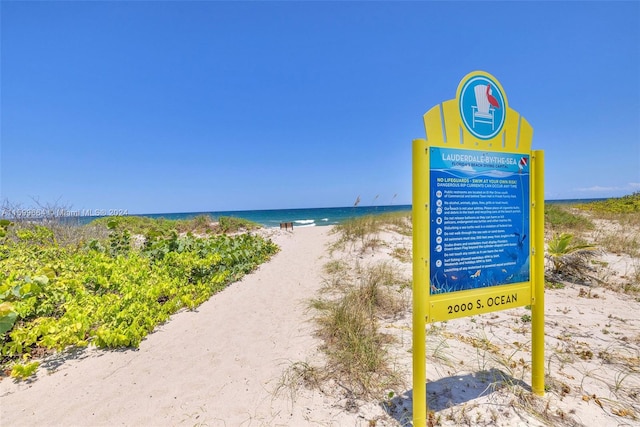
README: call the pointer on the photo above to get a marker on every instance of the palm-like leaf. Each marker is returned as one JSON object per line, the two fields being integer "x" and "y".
{"x": 563, "y": 253}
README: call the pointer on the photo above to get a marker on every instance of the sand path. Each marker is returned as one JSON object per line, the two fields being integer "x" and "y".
{"x": 216, "y": 366}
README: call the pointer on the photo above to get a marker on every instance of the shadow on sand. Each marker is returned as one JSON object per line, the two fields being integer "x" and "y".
{"x": 55, "y": 361}
{"x": 451, "y": 391}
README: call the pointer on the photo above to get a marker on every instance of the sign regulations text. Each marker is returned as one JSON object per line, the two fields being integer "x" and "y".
{"x": 479, "y": 219}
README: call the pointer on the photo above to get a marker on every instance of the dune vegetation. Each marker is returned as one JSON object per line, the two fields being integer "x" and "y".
{"x": 111, "y": 282}
{"x": 363, "y": 317}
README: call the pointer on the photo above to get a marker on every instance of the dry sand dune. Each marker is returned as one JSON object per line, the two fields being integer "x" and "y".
{"x": 217, "y": 365}
{"x": 222, "y": 364}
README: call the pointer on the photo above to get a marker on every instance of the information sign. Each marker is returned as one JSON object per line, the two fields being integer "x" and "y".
{"x": 478, "y": 219}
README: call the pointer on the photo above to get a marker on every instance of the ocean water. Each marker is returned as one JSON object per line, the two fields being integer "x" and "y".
{"x": 310, "y": 217}
{"x": 299, "y": 217}
{"x": 305, "y": 217}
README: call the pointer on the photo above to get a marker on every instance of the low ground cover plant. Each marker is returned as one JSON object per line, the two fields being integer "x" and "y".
{"x": 201, "y": 224}
{"x": 107, "y": 292}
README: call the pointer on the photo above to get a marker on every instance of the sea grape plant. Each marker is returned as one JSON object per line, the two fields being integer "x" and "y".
{"x": 109, "y": 294}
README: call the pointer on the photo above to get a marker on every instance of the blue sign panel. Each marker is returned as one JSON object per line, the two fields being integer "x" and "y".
{"x": 480, "y": 231}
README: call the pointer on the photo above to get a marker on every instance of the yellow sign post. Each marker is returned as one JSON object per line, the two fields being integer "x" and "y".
{"x": 478, "y": 219}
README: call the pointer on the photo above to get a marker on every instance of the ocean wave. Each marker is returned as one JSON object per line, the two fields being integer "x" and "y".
{"x": 325, "y": 219}
{"x": 305, "y": 221}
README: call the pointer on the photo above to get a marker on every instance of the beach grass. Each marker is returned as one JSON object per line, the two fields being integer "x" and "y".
{"x": 578, "y": 368}
{"x": 356, "y": 299}
{"x": 363, "y": 231}
{"x": 296, "y": 375}
{"x": 348, "y": 325}
{"x": 609, "y": 226}
{"x": 200, "y": 224}
{"x": 563, "y": 218}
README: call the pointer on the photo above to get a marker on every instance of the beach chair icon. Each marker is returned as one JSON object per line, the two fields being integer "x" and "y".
{"x": 482, "y": 111}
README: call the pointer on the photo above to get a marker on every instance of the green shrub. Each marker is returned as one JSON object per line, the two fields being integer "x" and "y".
{"x": 230, "y": 224}
{"x": 620, "y": 205}
{"x": 560, "y": 217}
{"x": 53, "y": 297}
{"x": 567, "y": 257}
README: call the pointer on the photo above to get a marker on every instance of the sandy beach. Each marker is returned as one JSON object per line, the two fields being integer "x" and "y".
{"x": 217, "y": 365}
{"x": 223, "y": 364}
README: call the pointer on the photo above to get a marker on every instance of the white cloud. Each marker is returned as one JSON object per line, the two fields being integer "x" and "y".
{"x": 598, "y": 189}
{"x": 630, "y": 187}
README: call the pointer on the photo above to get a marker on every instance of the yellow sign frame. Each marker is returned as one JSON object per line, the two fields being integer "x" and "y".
{"x": 445, "y": 126}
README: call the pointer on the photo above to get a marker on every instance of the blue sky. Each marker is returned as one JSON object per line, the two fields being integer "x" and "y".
{"x": 208, "y": 106}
